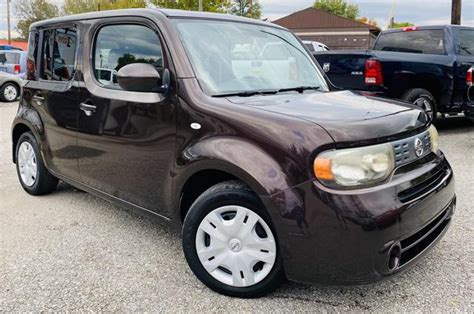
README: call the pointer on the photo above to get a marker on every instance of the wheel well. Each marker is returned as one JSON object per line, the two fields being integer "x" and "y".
{"x": 197, "y": 184}
{"x": 14, "y": 83}
{"x": 18, "y": 130}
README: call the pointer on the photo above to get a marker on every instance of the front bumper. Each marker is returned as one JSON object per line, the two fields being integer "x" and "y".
{"x": 348, "y": 237}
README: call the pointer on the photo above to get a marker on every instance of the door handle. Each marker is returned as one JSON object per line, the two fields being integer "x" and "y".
{"x": 39, "y": 99}
{"x": 87, "y": 108}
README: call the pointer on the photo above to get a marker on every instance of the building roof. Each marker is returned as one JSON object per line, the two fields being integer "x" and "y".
{"x": 20, "y": 44}
{"x": 311, "y": 18}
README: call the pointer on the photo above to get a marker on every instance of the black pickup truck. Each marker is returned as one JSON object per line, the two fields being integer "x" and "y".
{"x": 429, "y": 66}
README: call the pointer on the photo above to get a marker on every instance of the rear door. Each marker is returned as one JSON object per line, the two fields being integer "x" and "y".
{"x": 126, "y": 139}
{"x": 53, "y": 93}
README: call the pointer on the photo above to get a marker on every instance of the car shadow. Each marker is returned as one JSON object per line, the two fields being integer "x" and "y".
{"x": 453, "y": 125}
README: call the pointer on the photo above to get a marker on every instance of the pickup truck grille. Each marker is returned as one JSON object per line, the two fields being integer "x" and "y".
{"x": 405, "y": 150}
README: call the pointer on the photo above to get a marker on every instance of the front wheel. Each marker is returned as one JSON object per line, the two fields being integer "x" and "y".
{"x": 423, "y": 99}
{"x": 230, "y": 244}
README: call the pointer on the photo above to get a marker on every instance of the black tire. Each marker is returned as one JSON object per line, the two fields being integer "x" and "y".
{"x": 222, "y": 194}
{"x": 6, "y": 87}
{"x": 45, "y": 182}
{"x": 422, "y": 98}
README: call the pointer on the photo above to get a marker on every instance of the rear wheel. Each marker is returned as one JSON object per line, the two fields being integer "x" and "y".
{"x": 230, "y": 244}
{"x": 32, "y": 173}
{"x": 9, "y": 92}
{"x": 423, "y": 99}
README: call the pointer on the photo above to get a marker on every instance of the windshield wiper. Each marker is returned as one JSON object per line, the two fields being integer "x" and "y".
{"x": 466, "y": 49}
{"x": 248, "y": 93}
{"x": 299, "y": 89}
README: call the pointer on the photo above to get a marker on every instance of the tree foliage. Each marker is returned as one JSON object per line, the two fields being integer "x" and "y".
{"x": 368, "y": 21}
{"x": 82, "y": 6}
{"x": 220, "y": 6}
{"x": 338, "y": 7}
{"x": 30, "y": 11}
{"x": 401, "y": 24}
{"x": 248, "y": 8}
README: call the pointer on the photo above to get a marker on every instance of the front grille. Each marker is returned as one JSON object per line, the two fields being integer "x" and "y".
{"x": 418, "y": 242}
{"x": 405, "y": 151}
{"x": 425, "y": 185}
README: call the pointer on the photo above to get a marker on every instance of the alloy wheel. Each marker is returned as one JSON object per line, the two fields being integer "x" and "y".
{"x": 236, "y": 246}
{"x": 426, "y": 105}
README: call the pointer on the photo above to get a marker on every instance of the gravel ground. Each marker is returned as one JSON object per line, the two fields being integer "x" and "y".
{"x": 70, "y": 251}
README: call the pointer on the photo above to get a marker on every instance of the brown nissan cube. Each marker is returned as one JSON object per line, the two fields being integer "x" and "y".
{"x": 227, "y": 127}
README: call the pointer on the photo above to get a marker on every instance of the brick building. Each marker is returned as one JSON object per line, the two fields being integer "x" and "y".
{"x": 335, "y": 31}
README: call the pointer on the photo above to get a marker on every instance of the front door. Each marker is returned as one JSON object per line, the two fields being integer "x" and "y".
{"x": 126, "y": 140}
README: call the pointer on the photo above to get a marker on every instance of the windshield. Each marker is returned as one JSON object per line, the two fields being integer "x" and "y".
{"x": 230, "y": 57}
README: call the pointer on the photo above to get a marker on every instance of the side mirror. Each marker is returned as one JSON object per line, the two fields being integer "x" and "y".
{"x": 143, "y": 77}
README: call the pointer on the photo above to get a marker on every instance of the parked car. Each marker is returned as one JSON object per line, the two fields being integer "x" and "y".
{"x": 314, "y": 46}
{"x": 9, "y": 47}
{"x": 10, "y": 87}
{"x": 427, "y": 66}
{"x": 268, "y": 176}
{"x": 13, "y": 62}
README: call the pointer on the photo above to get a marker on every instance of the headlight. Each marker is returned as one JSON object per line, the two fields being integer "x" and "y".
{"x": 434, "y": 138}
{"x": 355, "y": 166}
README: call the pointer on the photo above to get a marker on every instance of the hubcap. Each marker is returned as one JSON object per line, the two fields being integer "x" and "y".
{"x": 27, "y": 164}
{"x": 10, "y": 93}
{"x": 426, "y": 105}
{"x": 236, "y": 246}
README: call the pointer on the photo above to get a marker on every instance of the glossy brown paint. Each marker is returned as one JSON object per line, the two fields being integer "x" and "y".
{"x": 139, "y": 150}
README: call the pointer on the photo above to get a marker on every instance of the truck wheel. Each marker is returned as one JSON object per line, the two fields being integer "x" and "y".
{"x": 9, "y": 92}
{"x": 423, "y": 99}
{"x": 32, "y": 173}
{"x": 230, "y": 244}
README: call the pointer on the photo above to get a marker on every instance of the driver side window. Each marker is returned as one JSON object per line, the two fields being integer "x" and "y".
{"x": 122, "y": 44}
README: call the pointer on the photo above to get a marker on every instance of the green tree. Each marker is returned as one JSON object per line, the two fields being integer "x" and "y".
{"x": 30, "y": 11}
{"x": 220, "y": 6}
{"x": 248, "y": 8}
{"x": 401, "y": 24}
{"x": 82, "y": 6}
{"x": 338, "y": 7}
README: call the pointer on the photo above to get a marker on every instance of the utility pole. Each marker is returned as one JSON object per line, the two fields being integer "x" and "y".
{"x": 8, "y": 23}
{"x": 391, "y": 17}
{"x": 456, "y": 12}
{"x": 200, "y": 5}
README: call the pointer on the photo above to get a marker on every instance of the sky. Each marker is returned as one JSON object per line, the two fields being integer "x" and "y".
{"x": 419, "y": 12}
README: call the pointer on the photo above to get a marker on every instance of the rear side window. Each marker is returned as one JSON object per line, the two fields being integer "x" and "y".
{"x": 310, "y": 47}
{"x": 119, "y": 45}
{"x": 466, "y": 42}
{"x": 58, "y": 57}
{"x": 9, "y": 58}
{"x": 420, "y": 41}
{"x": 32, "y": 55}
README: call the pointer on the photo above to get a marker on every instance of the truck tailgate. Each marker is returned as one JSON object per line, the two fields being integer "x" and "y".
{"x": 344, "y": 68}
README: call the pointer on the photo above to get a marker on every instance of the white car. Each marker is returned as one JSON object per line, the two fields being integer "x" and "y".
{"x": 314, "y": 46}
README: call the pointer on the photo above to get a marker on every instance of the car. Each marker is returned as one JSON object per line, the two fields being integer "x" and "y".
{"x": 14, "y": 62}
{"x": 10, "y": 87}
{"x": 10, "y": 47}
{"x": 314, "y": 46}
{"x": 428, "y": 66}
{"x": 267, "y": 176}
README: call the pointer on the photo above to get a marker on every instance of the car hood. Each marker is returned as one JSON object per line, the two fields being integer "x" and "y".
{"x": 347, "y": 116}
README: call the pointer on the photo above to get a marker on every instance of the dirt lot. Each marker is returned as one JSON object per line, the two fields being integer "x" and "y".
{"x": 71, "y": 251}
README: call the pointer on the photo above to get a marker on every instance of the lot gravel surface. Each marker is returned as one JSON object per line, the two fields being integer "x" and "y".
{"x": 70, "y": 251}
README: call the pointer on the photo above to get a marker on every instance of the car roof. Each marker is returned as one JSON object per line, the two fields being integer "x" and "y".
{"x": 427, "y": 27}
{"x": 169, "y": 13}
